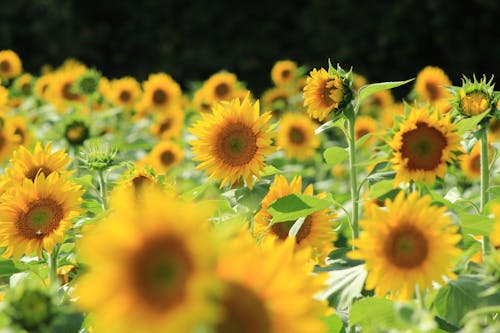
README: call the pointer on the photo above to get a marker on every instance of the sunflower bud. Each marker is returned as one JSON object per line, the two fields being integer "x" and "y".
{"x": 475, "y": 97}
{"x": 98, "y": 156}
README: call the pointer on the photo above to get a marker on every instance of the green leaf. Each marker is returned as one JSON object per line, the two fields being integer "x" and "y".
{"x": 294, "y": 206}
{"x": 334, "y": 324}
{"x": 373, "y": 313}
{"x": 467, "y": 124}
{"x": 370, "y": 89}
{"x": 343, "y": 286}
{"x": 68, "y": 323}
{"x": 7, "y": 268}
{"x": 379, "y": 176}
{"x": 379, "y": 189}
{"x": 494, "y": 192}
{"x": 337, "y": 121}
{"x": 476, "y": 224}
{"x": 335, "y": 155}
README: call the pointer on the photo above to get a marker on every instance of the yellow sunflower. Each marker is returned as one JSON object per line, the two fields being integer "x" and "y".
{"x": 164, "y": 156}
{"x": 423, "y": 146}
{"x": 430, "y": 84}
{"x": 359, "y": 81}
{"x": 151, "y": 266}
{"x": 36, "y": 214}
{"x": 473, "y": 103}
{"x": 258, "y": 293}
{"x": 316, "y": 232}
{"x": 470, "y": 163}
{"x": 494, "y": 130}
{"x": 409, "y": 244}
{"x": 232, "y": 141}
{"x": 61, "y": 92}
{"x": 4, "y": 99}
{"x": 24, "y": 84}
{"x": 200, "y": 101}
{"x": 10, "y": 64}
{"x": 23, "y": 135}
{"x": 322, "y": 94}
{"x": 42, "y": 85}
{"x": 220, "y": 87}
{"x": 27, "y": 165}
{"x": 124, "y": 92}
{"x": 365, "y": 125}
{"x": 8, "y": 140}
{"x": 377, "y": 102}
{"x": 284, "y": 72}
{"x": 296, "y": 136}
{"x": 276, "y": 100}
{"x": 137, "y": 179}
{"x": 161, "y": 92}
{"x": 390, "y": 112}
{"x": 168, "y": 124}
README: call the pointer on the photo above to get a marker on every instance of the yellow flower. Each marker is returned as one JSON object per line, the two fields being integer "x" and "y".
{"x": 200, "y": 101}
{"x": 377, "y": 102}
{"x": 284, "y": 72}
{"x": 164, "y": 156}
{"x": 24, "y": 136}
{"x": 62, "y": 93}
{"x": 494, "y": 130}
{"x": 430, "y": 84}
{"x": 220, "y": 87}
{"x": 316, "y": 231}
{"x": 124, "y": 92}
{"x": 4, "y": 97}
{"x": 389, "y": 113}
{"x": 365, "y": 125}
{"x": 232, "y": 141}
{"x": 10, "y": 64}
{"x": 137, "y": 179}
{"x": 268, "y": 288}
{"x": 42, "y": 86}
{"x": 322, "y": 94}
{"x": 470, "y": 163}
{"x": 27, "y": 165}
{"x": 36, "y": 214}
{"x": 359, "y": 81}
{"x": 161, "y": 92}
{"x": 151, "y": 266}
{"x": 423, "y": 146}
{"x": 168, "y": 124}
{"x": 296, "y": 136}
{"x": 473, "y": 103}
{"x": 8, "y": 140}
{"x": 24, "y": 84}
{"x": 276, "y": 100}
{"x": 409, "y": 244}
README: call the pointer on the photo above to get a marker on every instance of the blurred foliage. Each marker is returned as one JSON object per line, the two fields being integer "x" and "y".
{"x": 191, "y": 39}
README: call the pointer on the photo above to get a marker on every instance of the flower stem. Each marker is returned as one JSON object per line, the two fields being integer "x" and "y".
{"x": 353, "y": 178}
{"x": 103, "y": 189}
{"x": 485, "y": 173}
{"x": 52, "y": 263}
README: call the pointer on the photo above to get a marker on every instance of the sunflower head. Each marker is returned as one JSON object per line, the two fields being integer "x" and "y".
{"x": 276, "y": 100}
{"x": 403, "y": 249}
{"x": 296, "y": 136}
{"x": 164, "y": 156}
{"x": 88, "y": 82}
{"x": 76, "y": 131}
{"x": 327, "y": 92}
{"x": 475, "y": 97}
{"x": 23, "y": 85}
{"x": 168, "y": 124}
{"x": 284, "y": 72}
{"x": 365, "y": 125}
{"x": 124, "y": 92}
{"x": 233, "y": 141}
{"x": 424, "y": 145}
{"x": 431, "y": 83}
{"x": 10, "y": 64}
{"x": 161, "y": 92}
{"x": 220, "y": 87}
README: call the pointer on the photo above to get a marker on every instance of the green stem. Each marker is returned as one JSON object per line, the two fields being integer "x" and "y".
{"x": 420, "y": 297}
{"x": 353, "y": 176}
{"x": 103, "y": 189}
{"x": 485, "y": 173}
{"x": 52, "y": 263}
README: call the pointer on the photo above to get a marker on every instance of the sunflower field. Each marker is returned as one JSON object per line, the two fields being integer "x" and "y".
{"x": 324, "y": 205}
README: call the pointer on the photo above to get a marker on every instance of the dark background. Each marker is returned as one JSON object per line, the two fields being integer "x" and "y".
{"x": 192, "y": 39}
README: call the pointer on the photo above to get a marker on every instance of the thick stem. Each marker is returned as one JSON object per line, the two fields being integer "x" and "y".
{"x": 52, "y": 263}
{"x": 354, "y": 179}
{"x": 103, "y": 190}
{"x": 485, "y": 173}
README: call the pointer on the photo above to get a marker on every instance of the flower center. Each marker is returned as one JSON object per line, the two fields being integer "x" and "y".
{"x": 125, "y": 96}
{"x": 236, "y": 144}
{"x": 4, "y": 66}
{"x": 160, "y": 97}
{"x": 167, "y": 158}
{"x": 474, "y": 103}
{"x": 406, "y": 247}
{"x": 35, "y": 171}
{"x": 139, "y": 182}
{"x": 361, "y": 132}
{"x": 296, "y": 135}
{"x": 42, "y": 217}
{"x": 2, "y": 141}
{"x": 432, "y": 90}
{"x": 26, "y": 88}
{"x": 67, "y": 93}
{"x": 286, "y": 73}
{"x": 222, "y": 90}
{"x": 244, "y": 311}
{"x": 331, "y": 94}
{"x": 423, "y": 147}
{"x": 475, "y": 164}
{"x": 165, "y": 125}
{"x": 160, "y": 272}
{"x": 282, "y": 229}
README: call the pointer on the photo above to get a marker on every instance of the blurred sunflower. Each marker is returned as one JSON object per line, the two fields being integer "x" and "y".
{"x": 10, "y": 64}
{"x": 284, "y": 72}
{"x": 389, "y": 113}
{"x": 137, "y": 179}
{"x": 322, "y": 94}
{"x": 62, "y": 93}
{"x": 358, "y": 81}
{"x": 124, "y": 92}
{"x": 220, "y": 87}
{"x": 494, "y": 130}
{"x": 409, "y": 244}
{"x": 377, "y": 102}
{"x": 4, "y": 99}
{"x": 8, "y": 140}
{"x": 151, "y": 266}
{"x": 430, "y": 84}
{"x": 168, "y": 124}
{"x": 36, "y": 214}
{"x": 423, "y": 146}
{"x": 232, "y": 141}
{"x": 200, "y": 102}
{"x": 24, "y": 136}
{"x": 259, "y": 296}
{"x": 42, "y": 86}
{"x": 276, "y": 100}
{"x": 161, "y": 92}
{"x": 164, "y": 156}
{"x": 316, "y": 232}
{"x": 495, "y": 234}
{"x": 470, "y": 164}
{"x": 23, "y": 85}
{"x": 296, "y": 136}
{"x": 365, "y": 125}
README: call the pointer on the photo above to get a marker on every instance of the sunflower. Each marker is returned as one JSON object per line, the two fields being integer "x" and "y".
{"x": 359, "y": 81}
{"x": 409, "y": 244}
{"x": 23, "y": 85}
{"x": 494, "y": 130}
{"x": 316, "y": 231}
{"x": 76, "y": 131}
{"x": 8, "y": 140}
{"x": 10, "y": 64}
{"x": 423, "y": 146}
{"x": 233, "y": 141}
{"x": 27, "y": 165}
{"x": 124, "y": 92}
{"x": 470, "y": 163}
{"x": 389, "y": 113}
{"x": 322, "y": 93}
{"x": 161, "y": 92}
{"x": 200, "y": 102}
{"x": 4, "y": 98}
{"x": 137, "y": 179}
{"x": 377, "y": 102}
{"x": 365, "y": 125}
{"x": 276, "y": 100}
{"x": 62, "y": 93}
{"x": 430, "y": 84}
{"x": 164, "y": 156}
{"x": 42, "y": 86}
{"x": 24, "y": 136}
{"x": 220, "y": 87}
{"x": 258, "y": 295}
{"x": 168, "y": 124}
{"x": 284, "y": 72}
{"x": 36, "y": 214}
{"x": 296, "y": 136}
{"x": 473, "y": 103}
{"x": 151, "y": 265}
